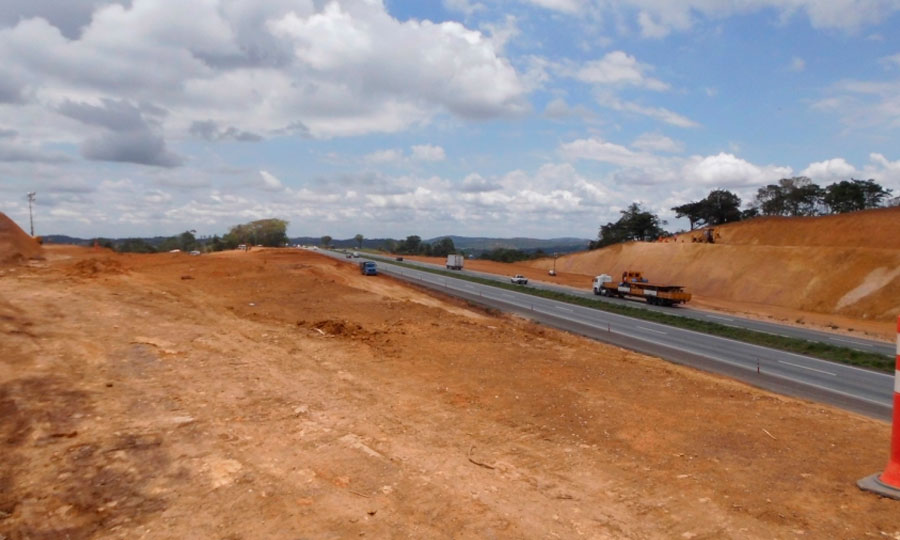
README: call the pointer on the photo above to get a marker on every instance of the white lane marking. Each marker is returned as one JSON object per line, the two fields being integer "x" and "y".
{"x": 851, "y": 342}
{"x": 720, "y": 318}
{"x": 565, "y": 309}
{"x": 507, "y": 295}
{"x": 628, "y": 320}
{"x": 733, "y": 363}
{"x": 809, "y": 368}
{"x": 654, "y": 331}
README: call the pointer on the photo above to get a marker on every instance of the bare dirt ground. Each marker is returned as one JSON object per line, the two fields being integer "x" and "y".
{"x": 280, "y": 394}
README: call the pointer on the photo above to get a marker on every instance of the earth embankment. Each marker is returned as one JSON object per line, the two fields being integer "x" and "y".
{"x": 846, "y": 265}
{"x": 15, "y": 245}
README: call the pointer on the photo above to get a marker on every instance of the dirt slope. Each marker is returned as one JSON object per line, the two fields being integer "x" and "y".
{"x": 847, "y": 265}
{"x": 15, "y": 244}
{"x": 279, "y": 394}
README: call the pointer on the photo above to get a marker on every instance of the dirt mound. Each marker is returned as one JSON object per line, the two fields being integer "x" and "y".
{"x": 96, "y": 267}
{"x": 847, "y": 265}
{"x": 15, "y": 245}
{"x": 876, "y": 229}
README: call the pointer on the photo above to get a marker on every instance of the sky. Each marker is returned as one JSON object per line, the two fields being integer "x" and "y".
{"x": 388, "y": 118}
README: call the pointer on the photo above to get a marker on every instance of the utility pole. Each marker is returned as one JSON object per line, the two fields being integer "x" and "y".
{"x": 31, "y": 196}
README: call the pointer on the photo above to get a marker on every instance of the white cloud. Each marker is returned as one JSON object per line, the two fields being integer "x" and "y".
{"x": 656, "y": 142}
{"x": 427, "y": 152}
{"x": 829, "y": 170}
{"x": 659, "y": 113}
{"x": 465, "y": 7}
{"x": 650, "y": 28}
{"x": 727, "y": 170}
{"x": 657, "y": 18}
{"x": 417, "y": 153}
{"x": 599, "y": 150}
{"x": 619, "y": 69}
{"x": 475, "y": 183}
{"x": 559, "y": 109}
{"x": 445, "y": 65}
{"x": 797, "y": 64}
{"x": 892, "y": 61}
{"x": 883, "y": 171}
{"x": 242, "y": 70}
{"x": 864, "y": 105}
{"x": 564, "y": 6}
{"x": 270, "y": 182}
{"x": 389, "y": 155}
{"x": 646, "y": 168}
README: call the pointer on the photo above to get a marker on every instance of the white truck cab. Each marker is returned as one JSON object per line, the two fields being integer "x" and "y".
{"x": 599, "y": 281}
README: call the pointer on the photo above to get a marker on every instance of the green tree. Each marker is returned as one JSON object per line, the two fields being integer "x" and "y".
{"x": 692, "y": 210}
{"x": 411, "y": 245}
{"x": 506, "y": 255}
{"x": 215, "y": 244}
{"x": 721, "y": 206}
{"x": 187, "y": 241}
{"x": 267, "y": 232}
{"x": 170, "y": 243}
{"x": 851, "y": 195}
{"x": 443, "y": 247}
{"x": 326, "y": 241}
{"x": 635, "y": 224}
{"x": 797, "y": 196}
{"x": 135, "y": 245}
{"x": 359, "y": 240}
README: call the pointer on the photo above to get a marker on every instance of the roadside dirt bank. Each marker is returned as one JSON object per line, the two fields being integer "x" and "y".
{"x": 280, "y": 394}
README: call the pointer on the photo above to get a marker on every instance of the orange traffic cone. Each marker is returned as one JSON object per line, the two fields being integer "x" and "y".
{"x": 887, "y": 483}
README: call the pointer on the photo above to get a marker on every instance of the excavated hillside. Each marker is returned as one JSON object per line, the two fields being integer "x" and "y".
{"x": 15, "y": 244}
{"x": 846, "y": 265}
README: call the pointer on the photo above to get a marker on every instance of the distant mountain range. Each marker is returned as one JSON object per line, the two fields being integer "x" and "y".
{"x": 72, "y": 240}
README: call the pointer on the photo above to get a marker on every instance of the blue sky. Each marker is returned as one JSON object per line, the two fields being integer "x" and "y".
{"x": 491, "y": 118}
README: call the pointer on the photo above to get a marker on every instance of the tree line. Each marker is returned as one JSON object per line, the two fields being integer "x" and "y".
{"x": 796, "y": 196}
{"x": 263, "y": 232}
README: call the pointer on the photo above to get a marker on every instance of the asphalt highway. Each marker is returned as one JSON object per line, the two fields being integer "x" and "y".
{"x": 850, "y": 342}
{"x": 859, "y": 390}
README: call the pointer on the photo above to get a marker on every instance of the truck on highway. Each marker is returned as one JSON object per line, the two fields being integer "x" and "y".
{"x": 368, "y": 268}
{"x": 455, "y": 261}
{"x": 519, "y": 279}
{"x": 634, "y": 284}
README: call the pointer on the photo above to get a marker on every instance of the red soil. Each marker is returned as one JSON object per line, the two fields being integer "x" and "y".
{"x": 15, "y": 245}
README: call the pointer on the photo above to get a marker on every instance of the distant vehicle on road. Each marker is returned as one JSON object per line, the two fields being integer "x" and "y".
{"x": 398, "y": 259}
{"x": 634, "y": 284}
{"x": 355, "y": 254}
{"x": 519, "y": 279}
{"x": 368, "y": 268}
{"x": 455, "y": 262}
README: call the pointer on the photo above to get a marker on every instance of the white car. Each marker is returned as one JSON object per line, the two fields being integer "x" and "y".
{"x": 519, "y": 279}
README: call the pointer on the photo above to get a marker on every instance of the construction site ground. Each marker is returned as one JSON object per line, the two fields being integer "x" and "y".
{"x": 280, "y": 394}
